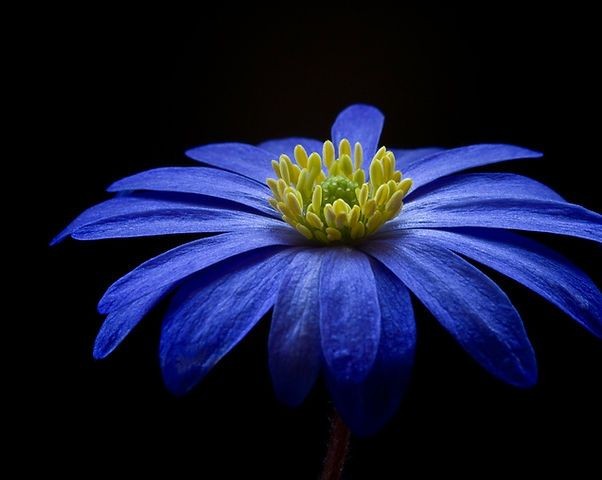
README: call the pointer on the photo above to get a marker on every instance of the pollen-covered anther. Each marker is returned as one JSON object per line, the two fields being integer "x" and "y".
{"x": 326, "y": 197}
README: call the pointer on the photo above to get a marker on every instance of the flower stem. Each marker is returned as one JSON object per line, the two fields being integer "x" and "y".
{"x": 338, "y": 447}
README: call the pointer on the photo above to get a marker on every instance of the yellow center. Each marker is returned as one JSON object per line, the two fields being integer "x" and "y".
{"x": 341, "y": 206}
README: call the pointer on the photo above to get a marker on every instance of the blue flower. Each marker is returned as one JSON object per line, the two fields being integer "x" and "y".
{"x": 335, "y": 251}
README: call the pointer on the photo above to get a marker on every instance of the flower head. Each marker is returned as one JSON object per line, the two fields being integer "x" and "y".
{"x": 328, "y": 247}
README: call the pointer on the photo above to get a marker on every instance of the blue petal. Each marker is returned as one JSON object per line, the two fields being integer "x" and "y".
{"x": 530, "y": 263}
{"x": 185, "y": 260}
{"x": 136, "y": 204}
{"x": 287, "y": 145}
{"x": 367, "y": 406}
{"x": 359, "y": 123}
{"x": 202, "y": 181}
{"x": 425, "y": 170}
{"x": 119, "y": 323}
{"x": 294, "y": 344}
{"x": 246, "y": 160}
{"x": 466, "y": 302}
{"x": 349, "y": 314}
{"x": 498, "y": 210}
{"x": 498, "y": 185}
{"x": 213, "y": 312}
{"x": 408, "y": 156}
{"x": 175, "y": 221}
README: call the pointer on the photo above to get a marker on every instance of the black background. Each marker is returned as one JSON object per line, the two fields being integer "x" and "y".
{"x": 122, "y": 92}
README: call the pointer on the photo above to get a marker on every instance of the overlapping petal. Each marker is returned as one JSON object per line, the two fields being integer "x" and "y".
{"x": 169, "y": 221}
{"x": 470, "y": 306}
{"x": 247, "y": 160}
{"x": 182, "y": 261}
{"x": 213, "y": 312}
{"x": 368, "y": 405}
{"x": 295, "y": 353}
{"x": 349, "y": 314}
{"x": 121, "y": 321}
{"x": 454, "y": 203}
{"x": 479, "y": 185}
{"x": 426, "y": 169}
{"x": 132, "y": 205}
{"x": 530, "y": 263}
{"x": 407, "y": 156}
{"x": 209, "y": 182}
{"x": 359, "y": 123}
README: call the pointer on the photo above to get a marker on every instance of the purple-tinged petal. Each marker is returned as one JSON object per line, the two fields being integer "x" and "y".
{"x": 175, "y": 221}
{"x": 210, "y": 182}
{"x": 287, "y": 146}
{"x": 530, "y": 263}
{"x": 469, "y": 305}
{"x": 427, "y": 169}
{"x": 246, "y": 160}
{"x": 407, "y": 156}
{"x": 349, "y": 314}
{"x": 213, "y": 312}
{"x": 137, "y": 204}
{"x": 455, "y": 203}
{"x": 367, "y": 406}
{"x": 182, "y": 261}
{"x": 479, "y": 185}
{"x": 524, "y": 214}
{"x": 119, "y": 323}
{"x": 359, "y": 123}
{"x": 294, "y": 345}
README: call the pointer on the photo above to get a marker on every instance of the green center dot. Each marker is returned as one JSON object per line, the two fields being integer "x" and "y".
{"x": 337, "y": 187}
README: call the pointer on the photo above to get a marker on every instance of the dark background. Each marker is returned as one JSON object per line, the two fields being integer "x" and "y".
{"x": 124, "y": 92}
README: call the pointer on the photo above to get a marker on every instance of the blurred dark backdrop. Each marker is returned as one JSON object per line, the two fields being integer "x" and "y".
{"x": 123, "y": 92}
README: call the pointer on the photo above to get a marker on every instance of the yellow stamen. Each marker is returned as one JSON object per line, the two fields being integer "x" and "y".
{"x": 281, "y": 188}
{"x": 353, "y": 216}
{"x": 363, "y": 195}
{"x": 405, "y": 185}
{"x": 276, "y": 168}
{"x": 292, "y": 202}
{"x": 284, "y": 173}
{"x": 333, "y": 234}
{"x": 301, "y": 156}
{"x": 303, "y": 230}
{"x": 394, "y": 203}
{"x": 340, "y": 206}
{"x": 328, "y": 153}
{"x": 358, "y": 156}
{"x": 359, "y": 177}
{"x": 302, "y": 182}
{"x": 314, "y": 221}
{"x": 379, "y": 154}
{"x": 273, "y": 184}
{"x": 316, "y": 199}
{"x": 382, "y": 194}
{"x": 321, "y": 236}
{"x": 346, "y": 167}
{"x": 358, "y": 231}
{"x": 294, "y": 171}
{"x": 369, "y": 207}
{"x": 344, "y": 148}
{"x": 374, "y": 222}
{"x": 329, "y": 215}
{"x": 341, "y": 220}
{"x": 377, "y": 174}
